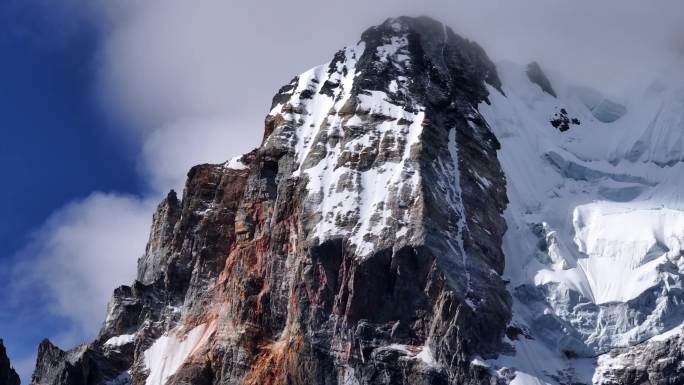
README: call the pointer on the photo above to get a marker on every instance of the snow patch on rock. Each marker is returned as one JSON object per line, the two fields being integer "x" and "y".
{"x": 121, "y": 340}
{"x": 236, "y": 163}
{"x": 170, "y": 351}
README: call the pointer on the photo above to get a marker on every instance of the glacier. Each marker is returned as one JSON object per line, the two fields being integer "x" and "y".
{"x": 595, "y": 222}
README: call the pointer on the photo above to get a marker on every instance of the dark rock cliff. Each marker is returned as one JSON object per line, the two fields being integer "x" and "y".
{"x": 8, "y": 376}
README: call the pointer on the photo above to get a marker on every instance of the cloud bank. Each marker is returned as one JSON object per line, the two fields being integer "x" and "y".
{"x": 192, "y": 82}
{"x": 71, "y": 262}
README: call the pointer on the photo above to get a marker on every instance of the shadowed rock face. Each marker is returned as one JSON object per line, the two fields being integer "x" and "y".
{"x": 7, "y": 374}
{"x": 360, "y": 244}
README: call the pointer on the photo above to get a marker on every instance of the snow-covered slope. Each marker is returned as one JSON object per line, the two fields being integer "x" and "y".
{"x": 595, "y": 220}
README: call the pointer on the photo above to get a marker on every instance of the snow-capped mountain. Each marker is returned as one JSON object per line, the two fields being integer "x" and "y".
{"x": 415, "y": 214}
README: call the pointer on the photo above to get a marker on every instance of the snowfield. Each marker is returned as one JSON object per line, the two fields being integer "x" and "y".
{"x": 624, "y": 246}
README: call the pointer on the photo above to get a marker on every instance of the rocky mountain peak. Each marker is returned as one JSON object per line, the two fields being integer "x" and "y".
{"x": 407, "y": 56}
{"x": 362, "y": 239}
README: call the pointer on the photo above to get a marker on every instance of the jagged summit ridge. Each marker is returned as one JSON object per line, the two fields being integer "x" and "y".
{"x": 382, "y": 83}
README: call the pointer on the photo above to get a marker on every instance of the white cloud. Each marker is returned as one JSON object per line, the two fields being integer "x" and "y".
{"x": 80, "y": 254}
{"x": 168, "y": 153}
{"x": 164, "y": 61}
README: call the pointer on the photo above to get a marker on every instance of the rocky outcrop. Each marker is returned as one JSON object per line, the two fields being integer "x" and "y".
{"x": 659, "y": 361}
{"x": 360, "y": 244}
{"x": 538, "y": 77}
{"x": 8, "y": 376}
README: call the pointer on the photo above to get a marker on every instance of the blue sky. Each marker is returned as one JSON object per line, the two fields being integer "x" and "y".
{"x": 53, "y": 148}
{"x": 106, "y": 104}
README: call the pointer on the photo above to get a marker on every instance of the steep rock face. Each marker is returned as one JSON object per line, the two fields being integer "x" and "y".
{"x": 7, "y": 374}
{"x": 360, "y": 244}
